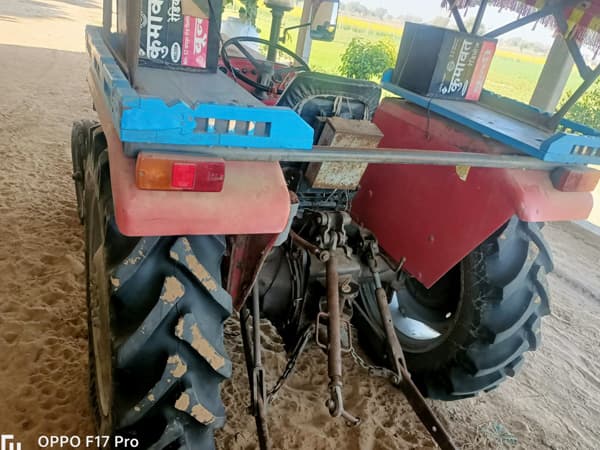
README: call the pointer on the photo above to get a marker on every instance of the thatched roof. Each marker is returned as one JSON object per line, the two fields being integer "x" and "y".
{"x": 584, "y": 20}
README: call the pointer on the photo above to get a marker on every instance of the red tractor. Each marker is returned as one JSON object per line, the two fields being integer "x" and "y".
{"x": 218, "y": 174}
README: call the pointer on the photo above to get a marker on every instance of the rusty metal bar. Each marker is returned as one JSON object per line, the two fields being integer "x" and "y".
{"x": 333, "y": 324}
{"x": 410, "y": 390}
{"x": 335, "y": 403}
{"x": 258, "y": 376}
{"x": 323, "y": 255}
{"x": 248, "y": 348}
{"x": 256, "y": 324}
{"x": 424, "y": 412}
{"x": 252, "y": 354}
{"x": 388, "y": 325}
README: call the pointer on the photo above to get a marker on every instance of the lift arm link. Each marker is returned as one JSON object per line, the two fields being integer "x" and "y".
{"x": 410, "y": 390}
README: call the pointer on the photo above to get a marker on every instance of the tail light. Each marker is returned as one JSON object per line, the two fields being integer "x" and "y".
{"x": 165, "y": 172}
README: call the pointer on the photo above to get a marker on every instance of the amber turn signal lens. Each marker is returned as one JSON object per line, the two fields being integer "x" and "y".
{"x": 166, "y": 172}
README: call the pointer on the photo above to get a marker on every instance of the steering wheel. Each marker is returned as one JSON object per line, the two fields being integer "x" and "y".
{"x": 267, "y": 72}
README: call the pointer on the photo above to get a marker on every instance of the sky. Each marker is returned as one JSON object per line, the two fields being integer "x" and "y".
{"x": 429, "y": 9}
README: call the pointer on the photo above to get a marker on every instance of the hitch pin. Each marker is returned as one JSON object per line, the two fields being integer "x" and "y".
{"x": 336, "y": 407}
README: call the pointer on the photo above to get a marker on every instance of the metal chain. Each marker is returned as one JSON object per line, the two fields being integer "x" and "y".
{"x": 373, "y": 370}
{"x": 291, "y": 364}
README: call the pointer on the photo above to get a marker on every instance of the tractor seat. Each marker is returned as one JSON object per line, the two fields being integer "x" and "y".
{"x": 315, "y": 96}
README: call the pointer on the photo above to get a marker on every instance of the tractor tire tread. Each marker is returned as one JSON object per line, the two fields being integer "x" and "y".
{"x": 510, "y": 297}
{"x": 182, "y": 333}
{"x": 167, "y": 315}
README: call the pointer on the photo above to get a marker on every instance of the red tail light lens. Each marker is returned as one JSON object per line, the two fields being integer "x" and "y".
{"x": 183, "y": 175}
{"x": 165, "y": 172}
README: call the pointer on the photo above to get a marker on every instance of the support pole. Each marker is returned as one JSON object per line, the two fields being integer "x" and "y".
{"x": 277, "y": 14}
{"x": 458, "y": 19}
{"x": 107, "y": 16}
{"x": 304, "y": 43}
{"x": 553, "y": 78}
{"x": 479, "y": 17}
{"x": 132, "y": 47}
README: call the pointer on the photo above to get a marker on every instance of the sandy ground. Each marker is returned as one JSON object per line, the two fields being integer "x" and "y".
{"x": 554, "y": 403}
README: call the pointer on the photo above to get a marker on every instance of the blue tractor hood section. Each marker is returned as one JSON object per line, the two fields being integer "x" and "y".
{"x": 146, "y": 118}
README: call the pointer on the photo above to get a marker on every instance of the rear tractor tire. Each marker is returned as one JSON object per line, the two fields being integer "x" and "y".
{"x": 156, "y": 309}
{"x": 481, "y": 317}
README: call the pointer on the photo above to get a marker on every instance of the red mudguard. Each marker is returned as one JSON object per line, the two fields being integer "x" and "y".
{"x": 254, "y": 199}
{"x": 428, "y": 214}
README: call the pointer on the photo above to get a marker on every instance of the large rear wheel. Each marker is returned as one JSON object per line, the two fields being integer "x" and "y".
{"x": 156, "y": 309}
{"x": 470, "y": 331}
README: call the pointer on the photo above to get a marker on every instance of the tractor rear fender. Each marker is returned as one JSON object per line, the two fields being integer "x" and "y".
{"x": 434, "y": 216}
{"x": 254, "y": 199}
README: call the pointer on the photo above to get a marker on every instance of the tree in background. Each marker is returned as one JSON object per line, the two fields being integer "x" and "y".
{"x": 380, "y": 13}
{"x": 587, "y": 108}
{"x": 441, "y": 21}
{"x": 367, "y": 59}
{"x": 469, "y": 26}
{"x": 355, "y": 8}
{"x": 448, "y": 22}
{"x": 250, "y": 9}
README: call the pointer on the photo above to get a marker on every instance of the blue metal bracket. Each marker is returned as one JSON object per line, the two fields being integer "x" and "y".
{"x": 148, "y": 119}
{"x": 576, "y": 144}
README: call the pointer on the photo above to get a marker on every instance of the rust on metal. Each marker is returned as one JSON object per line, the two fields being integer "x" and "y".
{"x": 323, "y": 255}
{"x": 424, "y": 412}
{"x": 333, "y": 331}
{"x": 410, "y": 390}
{"x": 335, "y": 403}
{"x": 252, "y": 353}
{"x": 388, "y": 325}
{"x": 247, "y": 256}
{"x": 339, "y": 132}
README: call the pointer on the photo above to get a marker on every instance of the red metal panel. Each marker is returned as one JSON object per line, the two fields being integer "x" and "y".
{"x": 246, "y": 258}
{"x": 431, "y": 216}
{"x": 254, "y": 199}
